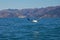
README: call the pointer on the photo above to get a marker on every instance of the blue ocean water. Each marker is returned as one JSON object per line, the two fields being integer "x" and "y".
{"x": 22, "y": 29}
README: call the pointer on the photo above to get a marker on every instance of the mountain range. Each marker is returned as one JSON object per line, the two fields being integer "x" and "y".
{"x": 47, "y": 12}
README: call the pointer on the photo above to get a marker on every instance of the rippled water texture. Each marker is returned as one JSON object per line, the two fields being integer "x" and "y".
{"x": 22, "y": 29}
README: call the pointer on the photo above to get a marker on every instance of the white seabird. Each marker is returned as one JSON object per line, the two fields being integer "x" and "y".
{"x": 34, "y": 21}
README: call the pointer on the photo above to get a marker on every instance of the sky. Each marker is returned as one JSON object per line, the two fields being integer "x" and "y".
{"x": 23, "y": 4}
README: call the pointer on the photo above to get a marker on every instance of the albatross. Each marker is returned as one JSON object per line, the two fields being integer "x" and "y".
{"x": 34, "y": 21}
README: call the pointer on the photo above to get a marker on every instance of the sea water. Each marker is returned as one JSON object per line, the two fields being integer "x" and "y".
{"x": 22, "y": 29}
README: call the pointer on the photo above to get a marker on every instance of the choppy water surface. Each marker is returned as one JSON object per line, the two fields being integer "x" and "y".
{"x": 22, "y": 29}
